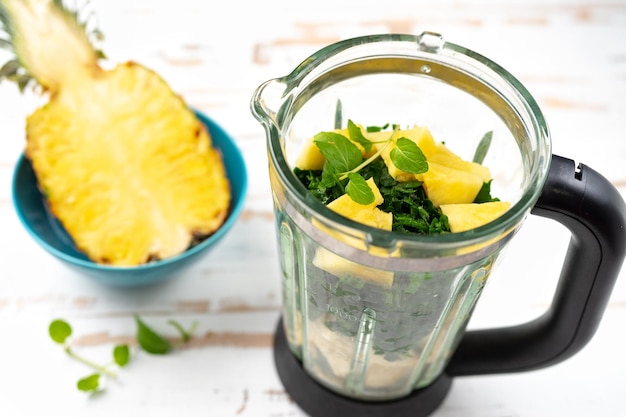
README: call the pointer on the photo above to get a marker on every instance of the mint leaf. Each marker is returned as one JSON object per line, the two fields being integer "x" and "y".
{"x": 339, "y": 152}
{"x": 121, "y": 355}
{"x": 185, "y": 335}
{"x": 357, "y": 136}
{"x": 59, "y": 330}
{"x": 408, "y": 157}
{"x": 329, "y": 178}
{"x": 89, "y": 383}
{"x": 149, "y": 340}
{"x": 376, "y": 128}
{"x": 359, "y": 190}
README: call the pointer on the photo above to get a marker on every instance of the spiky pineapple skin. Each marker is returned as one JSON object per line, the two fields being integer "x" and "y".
{"x": 127, "y": 168}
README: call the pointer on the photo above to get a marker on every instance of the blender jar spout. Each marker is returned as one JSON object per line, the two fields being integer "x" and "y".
{"x": 267, "y": 100}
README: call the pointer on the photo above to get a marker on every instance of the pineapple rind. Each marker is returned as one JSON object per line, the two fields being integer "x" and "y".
{"x": 127, "y": 168}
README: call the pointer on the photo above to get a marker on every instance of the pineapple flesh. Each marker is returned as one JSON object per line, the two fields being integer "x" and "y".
{"x": 125, "y": 165}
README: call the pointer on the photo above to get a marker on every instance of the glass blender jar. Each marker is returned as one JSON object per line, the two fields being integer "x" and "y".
{"x": 373, "y": 321}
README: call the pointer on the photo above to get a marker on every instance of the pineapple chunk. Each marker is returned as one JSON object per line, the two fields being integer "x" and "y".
{"x": 344, "y": 268}
{"x": 445, "y": 185}
{"x": 462, "y": 217}
{"x": 366, "y": 214}
{"x": 310, "y": 158}
{"x": 422, "y": 138}
{"x": 449, "y": 179}
{"x": 445, "y": 156}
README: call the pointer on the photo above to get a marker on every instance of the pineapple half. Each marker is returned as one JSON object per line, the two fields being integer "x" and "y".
{"x": 126, "y": 166}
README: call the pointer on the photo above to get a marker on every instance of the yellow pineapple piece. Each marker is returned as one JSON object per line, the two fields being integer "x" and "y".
{"x": 444, "y": 156}
{"x": 462, "y": 217}
{"x": 344, "y": 268}
{"x": 310, "y": 157}
{"x": 449, "y": 179}
{"x": 126, "y": 166}
{"x": 445, "y": 185}
{"x": 366, "y": 214}
{"x": 418, "y": 134}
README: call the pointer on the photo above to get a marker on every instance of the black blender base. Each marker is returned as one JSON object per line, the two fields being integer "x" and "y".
{"x": 318, "y": 401}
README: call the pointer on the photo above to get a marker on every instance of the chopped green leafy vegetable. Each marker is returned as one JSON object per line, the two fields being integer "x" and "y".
{"x": 345, "y": 171}
{"x": 413, "y": 212}
{"x": 484, "y": 195}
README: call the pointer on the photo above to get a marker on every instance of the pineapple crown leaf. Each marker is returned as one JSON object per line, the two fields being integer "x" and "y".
{"x": 5, "y": 44}
{"x": 86, "y": 21}
{"x": 5, "y": 22}
{"x": 13, "y": 70}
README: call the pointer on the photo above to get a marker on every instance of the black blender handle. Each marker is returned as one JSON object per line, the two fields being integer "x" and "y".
{"x": 595, "y": 213}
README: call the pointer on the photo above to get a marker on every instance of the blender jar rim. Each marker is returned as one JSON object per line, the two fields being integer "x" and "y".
{"x": 427, "y": 45}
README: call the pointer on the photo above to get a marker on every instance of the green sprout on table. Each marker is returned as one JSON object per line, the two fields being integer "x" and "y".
{"x": 147, "y": 339}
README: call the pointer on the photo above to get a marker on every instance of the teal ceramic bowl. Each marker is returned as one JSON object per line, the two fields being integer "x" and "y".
{"x": 51, "y": 236}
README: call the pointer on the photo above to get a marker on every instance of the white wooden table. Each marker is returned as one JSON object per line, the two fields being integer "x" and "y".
{"x": 570, "y": 54}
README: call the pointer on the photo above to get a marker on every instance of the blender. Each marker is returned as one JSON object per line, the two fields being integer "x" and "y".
{"x": 374, "y": 321}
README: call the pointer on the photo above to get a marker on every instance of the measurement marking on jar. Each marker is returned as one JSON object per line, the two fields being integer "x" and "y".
{"x": 340, "y": 313}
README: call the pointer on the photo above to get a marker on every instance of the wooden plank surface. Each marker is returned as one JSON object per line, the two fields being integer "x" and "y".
{"x": 571, "y": 55}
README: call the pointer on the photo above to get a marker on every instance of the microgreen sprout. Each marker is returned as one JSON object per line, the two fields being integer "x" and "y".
{"x": 149, "y": 341}
{"x": 60, "y": 331}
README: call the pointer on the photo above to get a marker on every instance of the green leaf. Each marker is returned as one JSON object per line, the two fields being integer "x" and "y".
{"x": 359, "y": 190}
{"x": 339, "y": 152}
{"x": 483, "y": 148}
{"x": 121, "y": 355}
{"x": 10, "y": 69}
{"x": 89, "y": 384}
{"x": 338, "y": 115}
{"x": 484, "y": 194}
{"x": 357, "y": 136}
{"x": 376, "y": 128}
{"x": 149, "y": 340}
{"x": 59, "y": 330}
{"x": 329, "y": 177}
{"x": 5, "y": 44}
{"x": 408, "y": 157}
